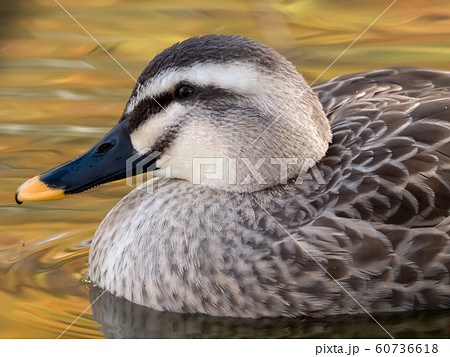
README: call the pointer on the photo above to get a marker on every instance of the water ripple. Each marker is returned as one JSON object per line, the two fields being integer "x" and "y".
{"x": 52, "y": 130}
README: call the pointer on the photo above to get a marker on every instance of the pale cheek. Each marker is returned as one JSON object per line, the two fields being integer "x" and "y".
{"x": 154, "y": 128}
{"x": 197, "y": 141}
{"x": 146, "y": 135}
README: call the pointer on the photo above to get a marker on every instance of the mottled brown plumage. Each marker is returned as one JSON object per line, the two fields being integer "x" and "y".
{"x": 376, "y": 230}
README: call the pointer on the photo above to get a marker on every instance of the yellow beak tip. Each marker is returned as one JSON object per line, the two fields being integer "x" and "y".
{"x": 36, "y": 190}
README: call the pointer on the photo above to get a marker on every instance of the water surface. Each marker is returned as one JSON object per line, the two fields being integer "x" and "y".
{"x": 60, "y": 92}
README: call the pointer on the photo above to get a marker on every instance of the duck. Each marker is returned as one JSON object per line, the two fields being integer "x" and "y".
{"x": 268, "y": 197}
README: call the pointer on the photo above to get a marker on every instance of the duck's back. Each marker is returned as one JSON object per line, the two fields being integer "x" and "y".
{"x": 391, "y": 143}
{"x": 381, "y": 217}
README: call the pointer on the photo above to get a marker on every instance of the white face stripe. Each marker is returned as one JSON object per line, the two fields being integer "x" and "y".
{"x": 236, "y": 76}
{"x": 151, "y": 130}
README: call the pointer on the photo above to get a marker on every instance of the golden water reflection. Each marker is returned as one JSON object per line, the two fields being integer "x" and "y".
{"x": 60, "y": 92}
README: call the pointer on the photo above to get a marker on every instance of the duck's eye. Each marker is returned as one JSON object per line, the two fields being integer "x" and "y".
{"x": 104, "y": 148}
{"x": 184, "y": 91}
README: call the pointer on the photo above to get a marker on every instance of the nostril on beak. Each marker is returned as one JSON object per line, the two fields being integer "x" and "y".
{"x": 104, "y": 148}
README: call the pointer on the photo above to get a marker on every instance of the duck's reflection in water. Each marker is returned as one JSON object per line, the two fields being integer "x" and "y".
{"x": 119, "y": 318}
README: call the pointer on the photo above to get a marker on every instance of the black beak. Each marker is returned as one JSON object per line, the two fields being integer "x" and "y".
{"x": 112, "y": 158}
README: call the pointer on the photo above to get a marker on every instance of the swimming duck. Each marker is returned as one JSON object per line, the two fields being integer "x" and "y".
{"x": 271, "y": 198}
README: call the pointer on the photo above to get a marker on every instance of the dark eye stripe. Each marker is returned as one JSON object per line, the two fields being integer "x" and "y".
{"x": 208, "y": 95}
{"x": 148, "y": 107}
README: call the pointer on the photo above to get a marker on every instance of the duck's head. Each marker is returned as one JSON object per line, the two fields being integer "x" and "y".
{"x": 226, "y": 104}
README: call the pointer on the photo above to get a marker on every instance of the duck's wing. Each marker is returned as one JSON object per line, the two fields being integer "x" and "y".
{"x": 389, "y": 161}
